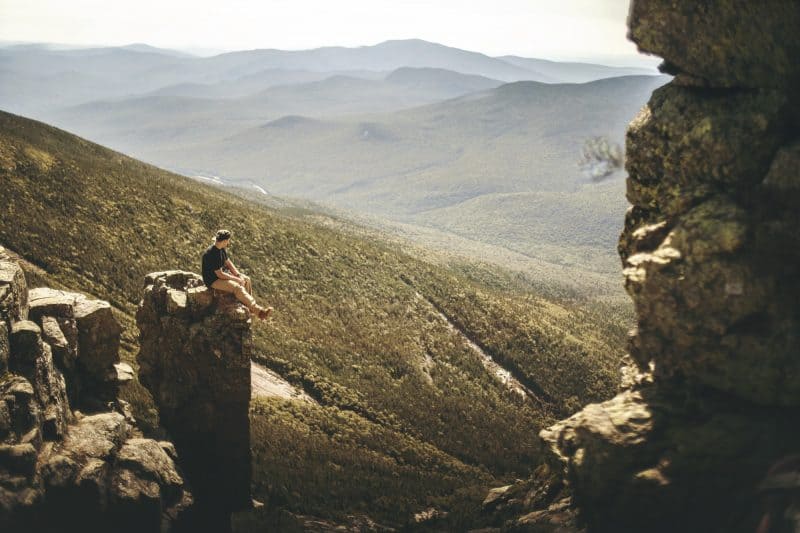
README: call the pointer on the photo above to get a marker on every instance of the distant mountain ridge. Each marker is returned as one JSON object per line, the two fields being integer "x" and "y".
{"x": 389, "y": 55}
{"x": 571, "y": 72}
{"x": 515, "y": 143}
{"x": 119, "y": 72}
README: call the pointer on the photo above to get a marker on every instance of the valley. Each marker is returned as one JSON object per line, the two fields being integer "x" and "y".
{"x": 402, "y": 400}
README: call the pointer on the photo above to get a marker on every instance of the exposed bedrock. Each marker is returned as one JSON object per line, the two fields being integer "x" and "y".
{"x": 711, "y": 259}
{"x": 64, "y": 469}
{"x": 721, "y": 43}
{"x": 195, "y": 349}
{"x": 706, "y": 437}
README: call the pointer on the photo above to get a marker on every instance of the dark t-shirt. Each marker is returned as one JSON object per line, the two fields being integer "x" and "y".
{"x": 213, "y": 259}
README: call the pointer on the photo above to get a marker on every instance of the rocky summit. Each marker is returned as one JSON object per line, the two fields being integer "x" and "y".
{"x": 195, "y": 348}
{"x": 71, "y": 455}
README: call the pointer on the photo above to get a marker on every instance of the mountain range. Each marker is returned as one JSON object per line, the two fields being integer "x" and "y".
{"x": 412, "y": 132}
{"x": 54, "y": 78}
{"x": 489, "y": 154}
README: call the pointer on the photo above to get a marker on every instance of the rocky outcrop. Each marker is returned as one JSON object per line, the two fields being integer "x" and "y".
{"x": 705, "y": 436}
{"x": 540, "y": 503}
{"x": 711, "y": 259}
{"x": 721, "y": 43}
{"x": 64, "y": 469}
{"x": 73, "y": 324}
{"x": 195, "y": 349}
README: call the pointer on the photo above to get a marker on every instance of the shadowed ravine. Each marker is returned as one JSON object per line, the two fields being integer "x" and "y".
{"x": 512, "y": 379}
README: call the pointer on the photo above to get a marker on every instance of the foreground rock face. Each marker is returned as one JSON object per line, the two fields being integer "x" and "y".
{"x": 705, "y": 436}
{"x": 194, "y": 357}
{"x": 62, "y": 469}
{"x": 721, "y": 43}
{"x": 711, "y": 257}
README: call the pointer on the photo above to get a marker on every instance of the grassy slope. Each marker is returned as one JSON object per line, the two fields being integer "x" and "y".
{"x": 349, "y": 328}
{"x": 577, "y": 228}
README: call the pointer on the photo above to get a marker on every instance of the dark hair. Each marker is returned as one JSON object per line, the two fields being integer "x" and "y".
{"x": 223, "y": 235}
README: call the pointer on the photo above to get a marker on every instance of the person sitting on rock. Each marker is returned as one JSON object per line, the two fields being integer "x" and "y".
{"x": 220, "y": 273}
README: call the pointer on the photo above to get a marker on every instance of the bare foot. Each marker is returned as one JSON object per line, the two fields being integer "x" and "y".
{"x": 264, "y": 314}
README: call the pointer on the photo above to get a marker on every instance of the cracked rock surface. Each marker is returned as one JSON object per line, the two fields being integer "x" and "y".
{"x": 63, "y": 468}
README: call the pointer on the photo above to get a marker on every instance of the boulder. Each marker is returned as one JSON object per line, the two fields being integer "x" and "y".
{"x": 643, "y": 461}
{"x": 26, "y": 346}
{"x": 61, "y": 471}
{"x": 146, "y": 486}
{"x": 147, "y": 460}
{"x": 64, "y": 353}
{"x": 85, "y": 338}
{"x": 702, "y": 437}
{"x": 122, "y": 373}
{"x": 96, "y": 436}
{"x": 45, "y": 301}
{"x": 98, "y": 337}
{"x": 685, "y": 145}
{"x": 18, "y": 458}
{"x": 54, "y": 311}
{"x": 104, "y": 468}
{"x": 33, "y": 359}
{"x": 137, "y": 500}
{"x": 709, "y": 310}
{"x": 21, "y": 410}
{"x": 710, "y": 245}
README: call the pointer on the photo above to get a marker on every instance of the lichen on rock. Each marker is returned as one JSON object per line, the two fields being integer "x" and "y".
{"x": 721, "y": 43}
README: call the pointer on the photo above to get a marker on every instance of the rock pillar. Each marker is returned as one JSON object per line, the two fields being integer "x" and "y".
{"x": 195, "y": 360}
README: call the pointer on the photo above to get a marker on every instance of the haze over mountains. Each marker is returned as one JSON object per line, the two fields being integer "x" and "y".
{"x": 116, "y": 72}
{"x": 410, "y": 131}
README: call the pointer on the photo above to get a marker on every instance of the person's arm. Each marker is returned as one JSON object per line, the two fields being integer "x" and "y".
{"x": 232, "y": 268}
{"x": 224, "y": 275}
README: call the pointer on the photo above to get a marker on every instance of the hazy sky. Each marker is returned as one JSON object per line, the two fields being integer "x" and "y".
{"x": 558, "y": 29}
